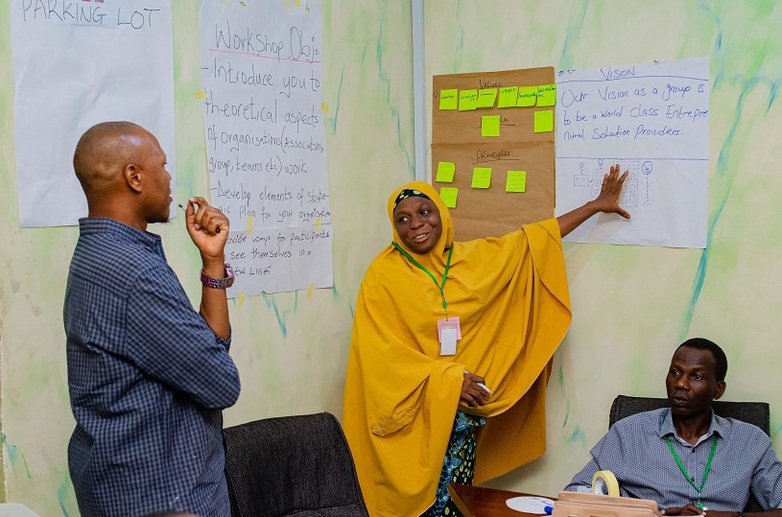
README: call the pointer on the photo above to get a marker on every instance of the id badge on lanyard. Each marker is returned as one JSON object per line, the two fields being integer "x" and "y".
{"x": 449, "y": 331}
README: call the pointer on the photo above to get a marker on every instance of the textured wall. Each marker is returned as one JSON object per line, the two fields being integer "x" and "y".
{"x": 631, "y": 305}
{"x": 291, "y": 349}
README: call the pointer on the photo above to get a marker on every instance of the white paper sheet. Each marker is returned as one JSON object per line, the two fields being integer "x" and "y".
{"x": 77, "y": 63}
{"x": 266, "y": 148}
{"x": 531, "y": 504}
{"x": 652, "y": 119}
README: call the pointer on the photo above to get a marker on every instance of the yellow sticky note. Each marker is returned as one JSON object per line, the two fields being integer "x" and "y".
{"x": 516, "y": 181}
{"x": 449, "y": 195}
{"x": 468, "y": 100}
{"x": 490, "y": 125}
{"x": 544, "y": 121}
{"x": 508, "y": 96}
{"x": 445, "y": 172}
{"x": 318, "y": 222}
{"x": 486, "y": 97}
{"x": 309, "y": 290}
{"x": 449, "y": 99}
{"x": 249, "y": 224}
{"x": 547, "y": 94}
{"x": 240, "y": 299}
{"x": 481, "y": 177}
{"x": 527, "y": 97}
{"x": 324, "y": 107}
{"x": 199, "y": 94}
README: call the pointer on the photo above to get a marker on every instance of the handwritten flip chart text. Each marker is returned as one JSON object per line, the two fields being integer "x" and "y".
{"x": 653, "y": 120}
{"x": 266, "y": 152}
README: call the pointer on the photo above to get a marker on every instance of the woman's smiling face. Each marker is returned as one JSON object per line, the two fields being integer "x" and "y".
{"x": 417, "y": 222}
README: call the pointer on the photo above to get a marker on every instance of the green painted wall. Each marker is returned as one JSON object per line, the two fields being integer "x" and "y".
{"x": 631, "y": 305}
{"x": 291, "y": 349}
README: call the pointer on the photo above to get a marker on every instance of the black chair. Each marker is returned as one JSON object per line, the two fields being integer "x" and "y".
{"x": 756, "y": 413}
{"x": 293, "y": 465}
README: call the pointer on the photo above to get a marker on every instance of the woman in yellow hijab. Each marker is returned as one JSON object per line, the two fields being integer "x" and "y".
{"x": 451, "y": 349}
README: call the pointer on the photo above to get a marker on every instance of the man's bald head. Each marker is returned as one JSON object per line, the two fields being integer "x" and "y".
{"x": 103, "y": 152}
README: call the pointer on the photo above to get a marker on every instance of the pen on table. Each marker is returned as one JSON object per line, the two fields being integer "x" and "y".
{"x": 217, "y": 230}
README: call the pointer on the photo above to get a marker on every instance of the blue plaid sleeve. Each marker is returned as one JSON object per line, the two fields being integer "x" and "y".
{"x": 170, "y": 341}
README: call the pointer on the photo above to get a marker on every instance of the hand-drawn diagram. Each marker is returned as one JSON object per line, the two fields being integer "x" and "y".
{"x": 639, "y": 187}
{"x": 651, "y": 119}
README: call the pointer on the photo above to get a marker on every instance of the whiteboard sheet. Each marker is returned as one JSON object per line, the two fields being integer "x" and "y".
{"x": 266, "y": 148}
{"x": 653, "y": 120}
{"x": 77, "y": 63}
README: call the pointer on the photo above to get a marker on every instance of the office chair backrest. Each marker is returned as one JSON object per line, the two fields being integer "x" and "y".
{"x": 293, "y": 465}
{"x": 756, "y": 413}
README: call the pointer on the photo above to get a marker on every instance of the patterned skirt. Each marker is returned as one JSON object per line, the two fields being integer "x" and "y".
{"x": 459, "y": 464}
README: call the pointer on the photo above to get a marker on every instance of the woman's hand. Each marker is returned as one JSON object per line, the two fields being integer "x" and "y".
{"x": 608, "y": 199}
{"x": 474, "y": 392}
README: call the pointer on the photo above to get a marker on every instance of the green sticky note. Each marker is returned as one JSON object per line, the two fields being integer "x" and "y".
{"x": 490, "y": 125}
{"x": 486, "y": 97}
{"x": 508, "y": 96}
{"x": 516, "y": 181}
{"x": 527, "y": 97}
{"x": 481, "y": 177}
{"x": 468, "y": 100}
{"x": 547, "y": 94}
{"x": 544, "y": 121}
{"x": 449, "y": 195}
{"x": 445, "y": 172}
{"x": 449, "y": 99}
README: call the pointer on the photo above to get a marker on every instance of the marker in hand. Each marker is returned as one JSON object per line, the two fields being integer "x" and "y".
{"x": 483, "y": 387}
{"x": 217, "y": 230}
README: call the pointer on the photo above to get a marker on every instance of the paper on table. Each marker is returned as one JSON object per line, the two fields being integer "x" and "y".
{"x": 529, "y": 504}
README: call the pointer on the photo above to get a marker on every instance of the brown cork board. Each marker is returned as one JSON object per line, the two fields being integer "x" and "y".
{"x": 457, "y": 138}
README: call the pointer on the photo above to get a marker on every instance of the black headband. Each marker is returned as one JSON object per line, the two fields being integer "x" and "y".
{"x": 406, "y": 193}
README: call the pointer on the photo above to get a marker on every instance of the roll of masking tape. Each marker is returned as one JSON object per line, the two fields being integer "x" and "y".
{"x": 604, "y": 483}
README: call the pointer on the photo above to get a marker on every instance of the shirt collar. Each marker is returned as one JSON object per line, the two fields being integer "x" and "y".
{"x": 718, "y": 425}
{"x": 97, "y": 225}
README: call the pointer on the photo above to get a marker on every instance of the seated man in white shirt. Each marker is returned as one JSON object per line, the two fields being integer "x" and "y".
{"x": 684, "y": 457}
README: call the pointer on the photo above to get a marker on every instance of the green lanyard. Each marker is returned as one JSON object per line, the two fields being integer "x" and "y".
{"x": 440, "y": 285}
{"x": 691, "y": 480}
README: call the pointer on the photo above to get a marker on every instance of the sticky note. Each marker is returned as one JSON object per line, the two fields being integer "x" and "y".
{"x": 516, "y": 181}
{"x": 527, "y": 97}
{"x": 445, "y": 172}
{"x": 508, "y": 96}
{"x": 309, "y": 290}
{"x": 449, "y": 195}
{"x": 468, "y": 100}
{"x": 544, "y": 121}
{"x": 481, "y": 177}
{"x": 449, "y": 99}
{"x": 547, "y": 94}
{"x": 249, "y": 224}
{"x": 486, "y": 97}
{"x": 199, "y": 94}
{"x": 490, "y": 125}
